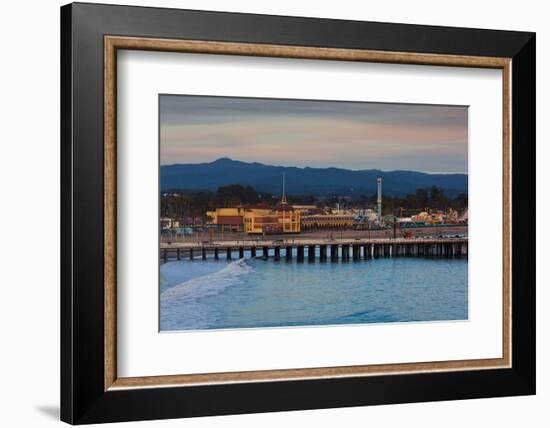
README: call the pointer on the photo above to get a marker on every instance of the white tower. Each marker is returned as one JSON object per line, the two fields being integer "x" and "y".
{"x": 379, "y": 199}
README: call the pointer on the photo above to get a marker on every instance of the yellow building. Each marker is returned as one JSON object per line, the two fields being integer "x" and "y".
{"x": 257, "y": 219}
{"x": 281, "y": 219}
{"x": 227, "y": 219}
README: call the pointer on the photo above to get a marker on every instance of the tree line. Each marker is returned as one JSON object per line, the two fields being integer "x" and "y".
{"x": 433, "y": 198}
{"x": 188, "y": 203}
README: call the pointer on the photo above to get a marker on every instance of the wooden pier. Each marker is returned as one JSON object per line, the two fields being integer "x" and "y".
{"x": 318, "y": 249}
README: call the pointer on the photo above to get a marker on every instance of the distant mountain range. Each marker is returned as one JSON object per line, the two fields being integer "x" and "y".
{"x": 301, "y": 181}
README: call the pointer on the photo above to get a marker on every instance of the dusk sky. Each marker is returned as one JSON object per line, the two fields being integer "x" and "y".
{"x": 351, "y": 135}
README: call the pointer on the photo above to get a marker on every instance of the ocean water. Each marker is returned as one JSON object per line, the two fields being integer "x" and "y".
{"x": 255, "y": 293}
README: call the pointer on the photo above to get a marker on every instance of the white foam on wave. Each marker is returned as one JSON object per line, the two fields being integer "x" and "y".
{"x": 207, "y": 285}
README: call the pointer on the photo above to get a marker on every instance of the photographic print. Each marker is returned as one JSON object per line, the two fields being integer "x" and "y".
{"x": 288, "y": 212}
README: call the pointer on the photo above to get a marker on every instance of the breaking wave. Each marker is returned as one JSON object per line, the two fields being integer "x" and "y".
{"x": 207, "y": 285}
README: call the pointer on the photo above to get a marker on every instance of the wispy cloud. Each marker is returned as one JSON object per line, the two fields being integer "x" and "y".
{"x": 314, "y": 133}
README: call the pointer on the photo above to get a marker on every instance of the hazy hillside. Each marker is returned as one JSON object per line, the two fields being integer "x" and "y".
{"x": 300, "y": 181}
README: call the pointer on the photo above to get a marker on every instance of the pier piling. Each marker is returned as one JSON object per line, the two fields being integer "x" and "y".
{"x": 333, "y": 252}
{"x": 345, "y": 252}
{"x": 323, "y": 253}
{"x": 288, "y": 252}
{"x": 300, "y": 253}
{"x": 311, "y": 253}
{"x": 356, "y": 249}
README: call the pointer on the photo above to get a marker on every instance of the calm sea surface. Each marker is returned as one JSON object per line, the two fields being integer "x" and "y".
{"x": 246, "y": 293}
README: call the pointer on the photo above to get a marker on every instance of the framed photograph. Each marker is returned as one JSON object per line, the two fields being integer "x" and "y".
{"x": 265, "y": 213}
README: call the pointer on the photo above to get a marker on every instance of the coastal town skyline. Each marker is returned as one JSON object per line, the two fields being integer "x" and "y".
{"x": 286, "y": 213}
{"x": 315, "y": 134}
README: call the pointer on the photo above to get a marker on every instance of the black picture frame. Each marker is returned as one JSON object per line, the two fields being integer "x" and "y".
{"x": 83, "y": 398}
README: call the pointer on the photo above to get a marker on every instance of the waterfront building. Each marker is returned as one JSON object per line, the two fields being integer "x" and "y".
{"x": 283, "y": 218}
{"x": 168, "y": 223}
{"x": 439, "y": 217}
{"x": 328, "y": 221}
{"x": 227, "y": 219}
{"x": 257, "y": 219}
